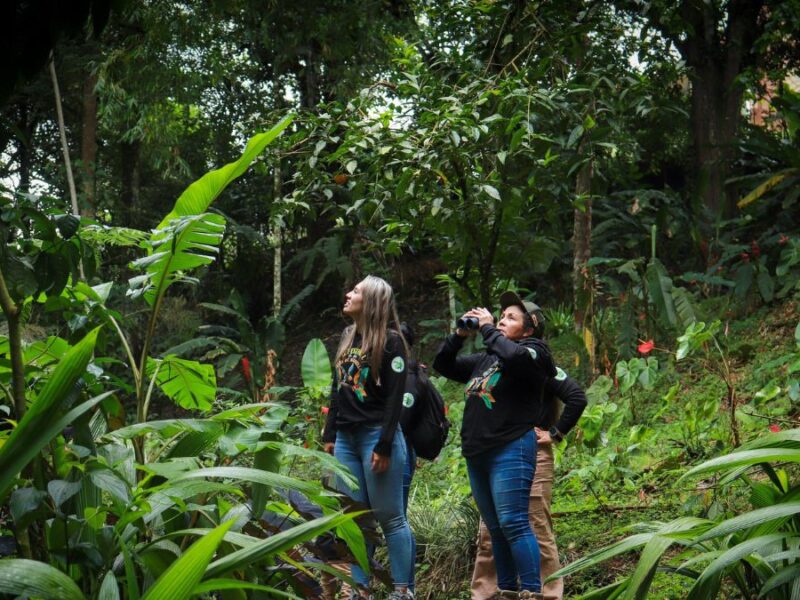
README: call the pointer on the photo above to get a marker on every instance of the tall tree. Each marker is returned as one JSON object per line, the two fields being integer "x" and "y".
{"x": 721, "y": 42}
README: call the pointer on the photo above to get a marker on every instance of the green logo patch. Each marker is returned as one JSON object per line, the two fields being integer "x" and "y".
{"x": 560, "y": 374}
{"x": 398, "y": 364}
{"x": 408, "y": 399}
{"x": 533, "y": 353}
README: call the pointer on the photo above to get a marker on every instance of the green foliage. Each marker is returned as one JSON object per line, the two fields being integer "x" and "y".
{"x": 46, "y": 419}
{"x": 23, "y": 577}
{"x": 183, "y": 576}
{"x": 316, "y": 367}
{"x": 728, "y": 546}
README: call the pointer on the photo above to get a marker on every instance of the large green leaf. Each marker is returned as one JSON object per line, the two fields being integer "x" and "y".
{"x": 44, "y": 419}
{"x": 267, "y": 458}
{"x": 788, "y": 574}
{"x": 683, "y": 306}
{"x": 659, "y": 287}
{"x": 167, "y": 428}
{"x": 199, "y": 195}
{"x": 217, "y": 585}
{"x": 254, "y": 476}
{"x": 109, "y": 590}
{"x": 751, "y": 519}
{"x": 316, "y": 366}
{"x": 277, "y": 543}
{"x": 176, "y": 249}
{"x": 595, "y": 558}
{"x": 179, "y": 581}
{"x": 707, "y": 585}
{"x": 189, "y": 383}
{"x": 33, "y": 579}
{"x": 745, "y": 457}
{"x": 642, "y": 577}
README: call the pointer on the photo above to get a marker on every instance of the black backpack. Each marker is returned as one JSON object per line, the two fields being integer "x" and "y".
{"x": 430, "y": 427}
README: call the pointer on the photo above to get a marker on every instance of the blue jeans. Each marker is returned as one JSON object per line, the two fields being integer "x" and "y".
{"x": 408, "y": 475}
{"x": 382, "y": 492}
{"x": 501, "y": 482}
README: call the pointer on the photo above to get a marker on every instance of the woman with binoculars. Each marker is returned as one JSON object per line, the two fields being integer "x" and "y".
{"x": 503, "y": 404}
{"x": 361, "y": 429}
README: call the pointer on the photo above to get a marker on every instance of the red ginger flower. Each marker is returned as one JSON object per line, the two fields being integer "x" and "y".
{"x": 774, "y": 428}
{"x": 324, "y": 410}
{"x": 755, "y": 249}
{"x": 246, "y": 369}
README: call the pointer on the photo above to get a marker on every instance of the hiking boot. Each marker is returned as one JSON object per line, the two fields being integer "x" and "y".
{"x": 530, "y": 595}
{"x": 360, "y": 595}
{"x": 504, "y": 594}
{"x": 398, "y": 595}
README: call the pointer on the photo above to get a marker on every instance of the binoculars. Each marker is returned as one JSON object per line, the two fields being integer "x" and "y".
{"x": 467, "y": 323}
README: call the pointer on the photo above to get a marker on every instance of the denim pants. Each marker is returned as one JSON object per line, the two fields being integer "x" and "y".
{"x": 408, "y": 475}
{"x": 382, "y": 492}
{"x": 484, "y": 576}
{"x": 501, "y": 481}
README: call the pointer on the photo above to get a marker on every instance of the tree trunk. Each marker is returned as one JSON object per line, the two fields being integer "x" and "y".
{"x": 130, "y": 155}
{"x": 277, "y": 242}
{"x": 581, "y": 241}
{"x": 716, "y": 57}
{"x": 73, "y": 194}
{"x": 89, "y": 144}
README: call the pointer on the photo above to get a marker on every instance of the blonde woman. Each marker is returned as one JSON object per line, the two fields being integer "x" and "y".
{"x": 362, "y": 425}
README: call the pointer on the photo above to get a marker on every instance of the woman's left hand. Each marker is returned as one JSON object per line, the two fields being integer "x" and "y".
{"x": 483, "y": 315}
{"x": 543, "y": 437}
{"x": 380, "y": 463}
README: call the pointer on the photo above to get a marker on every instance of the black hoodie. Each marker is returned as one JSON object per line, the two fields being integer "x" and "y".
{"x": 505, "y": 383}
{"x": 357, "y": 399}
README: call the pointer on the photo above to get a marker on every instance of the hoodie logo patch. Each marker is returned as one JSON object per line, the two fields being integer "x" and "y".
{"x": 408, "y": 399}
{"x": 533, "y": 353}
{"x": 560, "y": 374}
{"x": 398, "y": 364}
{"x": 482, "y": 386}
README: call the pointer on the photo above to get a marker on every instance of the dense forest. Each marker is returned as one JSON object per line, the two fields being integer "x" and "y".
{"x": 189, "y": 188}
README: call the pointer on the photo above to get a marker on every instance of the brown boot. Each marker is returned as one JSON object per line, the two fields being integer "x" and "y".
{"x": 504, "y": 595}
{"x": 530, "y": 595}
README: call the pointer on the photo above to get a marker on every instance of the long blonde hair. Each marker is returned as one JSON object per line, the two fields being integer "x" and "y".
{"x": 373, "y": 323}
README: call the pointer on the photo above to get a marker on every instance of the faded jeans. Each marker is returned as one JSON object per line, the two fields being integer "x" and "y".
{"x": 382, "y": 492}
{"x": 501, "y": 481}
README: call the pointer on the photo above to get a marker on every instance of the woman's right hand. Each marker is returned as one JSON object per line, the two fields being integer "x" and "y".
{"x": 328, "y": 447}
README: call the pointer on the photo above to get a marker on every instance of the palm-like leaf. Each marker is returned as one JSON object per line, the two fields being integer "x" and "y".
{"x": 179, "y": 581}
{"x": 707, "y": 585}
{"x": 38, "y": 426}
{"x": 199, "y": 195}
{"x": 176, "y": 249}
{"x": 33, "y": 579}
{"x": 277, "y": 543}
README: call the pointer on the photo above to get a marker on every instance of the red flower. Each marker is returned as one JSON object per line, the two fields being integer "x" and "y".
{"x": 783, "y": 239}
{"x": 755, "y": 249}
{"x": 324, "y": 410}
{"x": 646, "y": 347}
{"x": 246, "y": 369}
{"x": 745, "y": 257}
{"x": 308, "y": 417}
{"x": 774, "y": 428}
